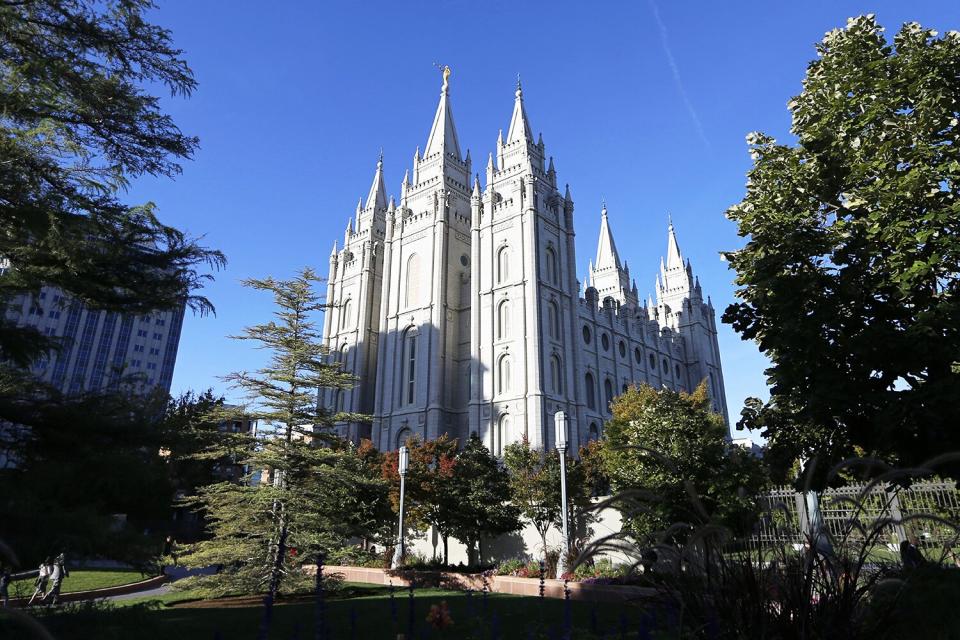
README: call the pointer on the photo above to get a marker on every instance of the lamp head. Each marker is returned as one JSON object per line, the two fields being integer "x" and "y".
{"x": 404, "y": 460}
{"x": 560, "y": 423}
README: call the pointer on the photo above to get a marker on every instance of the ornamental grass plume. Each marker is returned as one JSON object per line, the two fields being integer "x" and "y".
{"x": 439, "y": 616}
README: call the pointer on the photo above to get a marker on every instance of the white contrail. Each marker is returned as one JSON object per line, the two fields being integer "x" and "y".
{"x": 676, "y": 74}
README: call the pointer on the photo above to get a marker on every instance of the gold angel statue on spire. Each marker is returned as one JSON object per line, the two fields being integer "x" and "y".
{"x": 445, "y": 70}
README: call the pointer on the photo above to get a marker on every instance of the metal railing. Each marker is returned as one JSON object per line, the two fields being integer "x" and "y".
{"x": 928, "y": 509}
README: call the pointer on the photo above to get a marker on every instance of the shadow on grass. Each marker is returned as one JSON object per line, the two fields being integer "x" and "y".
{"x": 362, "y": 612}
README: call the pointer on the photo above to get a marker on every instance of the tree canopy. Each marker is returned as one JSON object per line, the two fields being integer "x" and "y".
{"x": 667, "y": 456}
{"x": 314, "y": 491}
{"x": 848, "y": 281}
{"x": 77, "y": 124}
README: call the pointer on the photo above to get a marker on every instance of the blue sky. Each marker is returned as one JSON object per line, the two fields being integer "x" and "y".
{"x": 644, "y": 104}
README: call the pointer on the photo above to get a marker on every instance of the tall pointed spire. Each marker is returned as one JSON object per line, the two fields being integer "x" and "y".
{"x": 443, "y": 134}
{"x": 674, "y": 258}
{"x": 519, "y": 125}
{"x": 377, "y": 198}
{"x": 607, "y": 255}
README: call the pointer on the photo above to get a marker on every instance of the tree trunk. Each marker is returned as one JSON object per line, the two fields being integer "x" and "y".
{"x": 276, "y": 573}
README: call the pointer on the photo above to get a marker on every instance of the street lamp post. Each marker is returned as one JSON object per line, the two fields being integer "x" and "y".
{"x": 560, "y": 423}
{"x": 404, "y": 459}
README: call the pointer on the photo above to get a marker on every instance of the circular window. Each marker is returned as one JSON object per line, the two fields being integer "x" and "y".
{"x": 666, "y": 367}
{"x": 586, "y": 335}
{"x": 637, "y": 355}
{"x": 605, "y": 341}
{"x": 653, "y": 362}
{"x": 623, "y": 349}
{"x": 464, "y": 260}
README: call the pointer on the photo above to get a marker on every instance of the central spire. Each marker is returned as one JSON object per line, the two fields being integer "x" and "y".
{"x": 519, "y": 125}
{"x": 607, "y": 255}
{"x": 377, "y": 198}
{"x": 674, "y": 257}
{"x": 443, "y": 134}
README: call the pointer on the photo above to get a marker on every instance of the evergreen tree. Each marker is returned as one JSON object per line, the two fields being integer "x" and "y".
{"x": 666, "y": 453}
{"x": 481, "y": 489}
{"x": 312, "y": 490}
{"x": 76, "y": 126}
{"x": 848, "y": 281}
{"x": 86, "y": 478}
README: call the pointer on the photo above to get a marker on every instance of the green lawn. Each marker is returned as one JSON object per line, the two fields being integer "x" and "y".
{"x": 369, "y": 614}
{"x": 83, "y": 580}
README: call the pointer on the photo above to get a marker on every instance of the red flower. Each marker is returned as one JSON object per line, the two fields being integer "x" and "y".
{"x": 439, "y": 616}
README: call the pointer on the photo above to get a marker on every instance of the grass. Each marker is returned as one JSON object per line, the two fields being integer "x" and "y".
{"x": 367, "y": 614}
{"x": 83, "y": 580}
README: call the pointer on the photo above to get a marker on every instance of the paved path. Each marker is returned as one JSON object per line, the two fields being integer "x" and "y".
{"x": 175, "y": 573}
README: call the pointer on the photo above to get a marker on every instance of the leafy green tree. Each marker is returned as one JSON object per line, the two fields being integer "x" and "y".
{"x": 667, "y": 454}
{"x": 309, "y": 498}
{"x": 76, "y": 125}
{"x": 848, "y": 281}
{"x": 87, "y": 490}
{"x": 482, "y": 491}
{"x": 535, "y": 486}
{"x": 429, "y": 499}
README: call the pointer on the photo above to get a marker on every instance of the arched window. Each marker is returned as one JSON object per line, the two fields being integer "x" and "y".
{"x": 551, "y": 264}
{"x": 623, "y": 389}
{"x": 591, "y": 391}
{"x": 608, "y": 392}
{"x": 553, "y": 320}
{"x": 653, "y": 363}
{"x": 556, "y": 374}
{"x": 408, "y": 377}
{"x": 502, "y": 436}
{"x": 666, "y": 367}
{"x": 637, "y": 355}
{"x": 622, "y": 348}
{"x": 677, "y": 370}
{"x": 503, "y": 319}
{"x": 594, "y": 432}
{"x": 605, "y": 341}
{"x": 586, "y": 334}
{"x": 413, "y": 281}
{"x": 402, "y": 437}
{"x": 344, "y": 352}
{"x": 346, "y": 314}
{"x": 503, "y": 374}
{"x": 503, "y": 264}
{"x": 338, "y": 401}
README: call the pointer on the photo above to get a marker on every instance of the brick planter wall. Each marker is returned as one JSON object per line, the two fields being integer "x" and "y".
{"x": 95, "y": 594}
{"x": 497, "y": 584}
